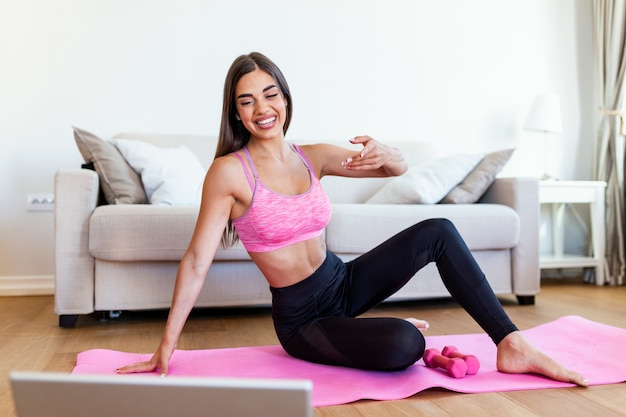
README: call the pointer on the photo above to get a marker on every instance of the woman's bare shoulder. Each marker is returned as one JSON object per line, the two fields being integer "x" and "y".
{"x": 225, "y": 165}
{"x": 226, "y": 173}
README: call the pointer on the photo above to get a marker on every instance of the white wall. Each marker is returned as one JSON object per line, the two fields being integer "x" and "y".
{"x": 456, "y": 73}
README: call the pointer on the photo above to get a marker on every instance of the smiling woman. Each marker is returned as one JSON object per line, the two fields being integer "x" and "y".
{"x": 267, "y": 192}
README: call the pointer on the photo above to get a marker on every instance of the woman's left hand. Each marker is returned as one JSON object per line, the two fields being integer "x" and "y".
{"x": 375, "y": 155}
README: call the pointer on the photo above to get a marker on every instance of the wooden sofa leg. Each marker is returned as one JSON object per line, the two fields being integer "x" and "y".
{"x": 68, "y": 321}
{"x": 526, "y": 300}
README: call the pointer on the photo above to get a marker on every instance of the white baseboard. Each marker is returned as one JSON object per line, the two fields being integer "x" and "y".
{"x": 27, "y": 285}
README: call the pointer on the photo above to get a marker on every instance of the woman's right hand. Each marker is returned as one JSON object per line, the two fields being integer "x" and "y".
{"x": 160, "y": 361}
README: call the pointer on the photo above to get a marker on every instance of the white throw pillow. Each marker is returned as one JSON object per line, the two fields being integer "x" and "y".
{"x": 427, "y": 183}
{"x": 171, "y": 176}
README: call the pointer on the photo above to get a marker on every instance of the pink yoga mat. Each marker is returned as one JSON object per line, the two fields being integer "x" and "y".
{"x": 585, "y": 346}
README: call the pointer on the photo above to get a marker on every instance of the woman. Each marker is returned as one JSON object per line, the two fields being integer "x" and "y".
{"x": 266, "y": 192}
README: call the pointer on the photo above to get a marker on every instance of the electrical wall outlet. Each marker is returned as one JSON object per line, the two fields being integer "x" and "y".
{"x": 40, "y": 202}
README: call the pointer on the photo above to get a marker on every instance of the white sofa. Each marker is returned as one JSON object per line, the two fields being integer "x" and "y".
{"x": 119, "y": 257}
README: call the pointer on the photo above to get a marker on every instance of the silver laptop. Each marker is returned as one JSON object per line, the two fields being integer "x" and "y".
{"x": 43, "y": 394}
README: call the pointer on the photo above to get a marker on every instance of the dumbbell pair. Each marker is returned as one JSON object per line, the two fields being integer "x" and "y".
{"x": 456, "y": 364}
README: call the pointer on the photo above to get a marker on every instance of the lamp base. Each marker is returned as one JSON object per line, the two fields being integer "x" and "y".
{"x": 547, "y": 177}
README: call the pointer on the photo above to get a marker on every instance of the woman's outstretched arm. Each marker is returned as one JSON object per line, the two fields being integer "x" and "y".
{"x": 374, "y": 159}
{"x": 217, "y": 202}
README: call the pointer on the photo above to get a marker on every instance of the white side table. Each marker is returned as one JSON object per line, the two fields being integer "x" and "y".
{"x": 558, "y": 194}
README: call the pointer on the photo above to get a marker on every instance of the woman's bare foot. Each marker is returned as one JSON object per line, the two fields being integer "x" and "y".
{"x": 422, "y": 325}
{"x": 517, "y": 356}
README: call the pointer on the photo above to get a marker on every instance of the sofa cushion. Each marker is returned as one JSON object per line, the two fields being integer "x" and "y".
{"x": 356, "y": 228}
{"x": 201, "y": 146}
{"x": 147, "y": 233}
{"x": 170, "y": 175}
{"x": 427, "y": 183}
{"x": 479, "y": 179}
{"x": 120, "y": 183}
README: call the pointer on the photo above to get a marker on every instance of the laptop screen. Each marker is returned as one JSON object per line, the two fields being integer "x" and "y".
{"x": 39, "y": 394}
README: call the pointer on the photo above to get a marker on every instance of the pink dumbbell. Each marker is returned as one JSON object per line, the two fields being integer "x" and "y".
{"x": 472, "y": 362}
{"x": 456, "y": 367}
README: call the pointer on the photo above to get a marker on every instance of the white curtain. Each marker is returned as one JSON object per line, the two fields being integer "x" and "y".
{"x": 609, "y": 19}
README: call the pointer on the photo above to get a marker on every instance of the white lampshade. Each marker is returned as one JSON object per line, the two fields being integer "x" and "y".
{"x": 545, "y": 114}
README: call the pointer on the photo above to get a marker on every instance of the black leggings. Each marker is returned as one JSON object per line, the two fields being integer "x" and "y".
{"x": 315, "y": 318}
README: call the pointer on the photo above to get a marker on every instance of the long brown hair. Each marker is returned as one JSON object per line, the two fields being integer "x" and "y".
{"x": 233, "y": 135}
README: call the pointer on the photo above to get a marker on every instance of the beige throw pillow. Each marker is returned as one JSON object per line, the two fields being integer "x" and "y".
{"x": 120, "y": 183}
{"x": 479, "y": 179}
{"x": 426, "y": 183}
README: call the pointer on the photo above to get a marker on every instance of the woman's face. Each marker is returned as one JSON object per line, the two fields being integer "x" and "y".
{"x": 261, "y": 105}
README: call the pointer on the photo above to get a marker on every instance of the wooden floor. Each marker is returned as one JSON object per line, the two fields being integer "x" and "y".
{"x": 31, "y": 340}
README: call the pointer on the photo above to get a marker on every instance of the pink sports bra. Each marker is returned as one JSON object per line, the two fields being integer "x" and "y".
{"x": 274, "y": 220}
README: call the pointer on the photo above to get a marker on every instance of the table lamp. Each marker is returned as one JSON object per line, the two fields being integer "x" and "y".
{"x": 545, "y": 116}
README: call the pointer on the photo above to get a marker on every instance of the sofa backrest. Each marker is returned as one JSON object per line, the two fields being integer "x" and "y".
{"x": 339, "y": 189}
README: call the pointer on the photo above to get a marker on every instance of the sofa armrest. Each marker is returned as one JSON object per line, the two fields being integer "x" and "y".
{"x": 75, "y": 198}
{"x": 522, "y": 195}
